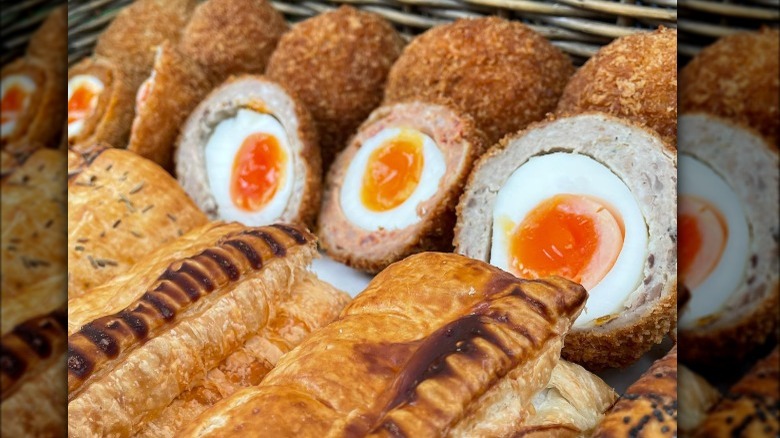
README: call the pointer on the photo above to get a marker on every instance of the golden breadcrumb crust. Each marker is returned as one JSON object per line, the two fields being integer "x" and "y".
{"x": 500, "y": 72}
{"x": 738, "y": 78}
{"x": 337, "y": 64}
{"x": 634, "y": 77}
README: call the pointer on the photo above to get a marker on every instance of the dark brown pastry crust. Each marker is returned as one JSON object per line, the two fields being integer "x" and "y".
{"x": 337, "y": 63}
{"x": 500, "y": 72}
{"x": 179, "y": 84}
{"x": 737, "y": 78}
{"x": 634, "y": 77}
{"x": 750, "y": 409}
{"x": 110, "y": 121}
{"x": 460, "y": 142}
{"x": 131, "y": 38}
{"x": 649, "y": 406}
{"x": 232, "y": 37}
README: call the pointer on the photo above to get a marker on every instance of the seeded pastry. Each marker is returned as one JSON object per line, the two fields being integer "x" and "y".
{"x": 500, "y": 72}
{"x": 190, "y": 323}
{"x": 232, "y": 37}
{"x": 337, "y": 63}
{"x": 164, "y": 100}
{"x": 392, "y": 192}
{"x": 728, "y": 247}
{"x": 634, "y": 77}
{"x": 565, "y": 197}
{"x": 737, "y": 78}
{"x": 120, "y": 207}
{"x": 249, "y": 153}
{"x": 437, "y": 345}
{"x": 100, "y": 104}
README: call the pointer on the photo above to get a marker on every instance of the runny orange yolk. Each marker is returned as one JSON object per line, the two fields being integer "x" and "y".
{"x": 81, "y": 103}
{"x": 13, "y": 103}
{"x": 258, "y": 171}
{"x": 393, "y": 172}
{"x": 573, "y": 236}
{"x": 703, "y": 233}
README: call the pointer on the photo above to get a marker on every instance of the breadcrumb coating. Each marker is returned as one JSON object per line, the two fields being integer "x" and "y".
{"x": 500, "y": 72}
{"x": 738, "y": 78}
{"x": 634, "y": 77}
{"x": 337, "y": 64}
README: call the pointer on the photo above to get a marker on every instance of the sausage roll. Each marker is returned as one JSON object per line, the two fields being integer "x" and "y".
{"x": 249, "y": 153}
{"x": 648, "y": 409}
{"x": 437, "y": 345}
{"x": 120, "y": 207}
{"x": 189, "y": 324}
{"x": 566, "y": 197}
{"x": 393, "y": 190}
{"x": 175, "y": 85}
{"x": 33, "y": 217}
{"x": 728, "y": 246}
{"x": 750, "y": 409}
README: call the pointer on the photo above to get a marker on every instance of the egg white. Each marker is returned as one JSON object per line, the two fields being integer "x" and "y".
{"x": 708, "y": 298}
{"x": 405, "y": 214}
{"x": 221, "y": 150}
{"x": 26, "y": 84}
{"x": 76, "y": 82}
{"x": 545, "y": 176}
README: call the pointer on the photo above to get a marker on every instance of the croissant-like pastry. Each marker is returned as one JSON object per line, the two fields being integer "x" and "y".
{"x": 120, "y": 207}
{"x": 193, "y": 322}
{"x": 649, "y": 406}
{"x": 696, "y": 397}
{"x": 751, "y": 406}
{"x": 437, "y": 345}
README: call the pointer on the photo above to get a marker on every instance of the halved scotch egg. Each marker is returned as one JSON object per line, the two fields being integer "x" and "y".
{"x": 30, "y": 99}
{"x": 728, "y": 246}
{"x": 392, "y": 192}
{"x": 249, "y": 153}
{"x": 590, "y": 198}
{"x": 100, "y": 104}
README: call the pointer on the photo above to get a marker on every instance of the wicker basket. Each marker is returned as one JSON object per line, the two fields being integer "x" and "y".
{"x": 18, "y": 20}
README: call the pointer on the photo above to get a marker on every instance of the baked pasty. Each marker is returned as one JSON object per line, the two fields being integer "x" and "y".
{"x": 192, "y": 322}
{"x": 437, "y": 345}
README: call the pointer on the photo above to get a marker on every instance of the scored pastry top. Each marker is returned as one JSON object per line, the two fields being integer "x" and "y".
{"x": 173, "y": 293}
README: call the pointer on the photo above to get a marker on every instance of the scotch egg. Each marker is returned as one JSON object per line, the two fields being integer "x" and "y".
{"x": 248, "y": 153}
{"x": 17, "y": 91}
{"x": 83, "y": 93}
{"x": 728, "y": 245}
{"x": 392, "y": 191}
{"x": 590, "y": 198}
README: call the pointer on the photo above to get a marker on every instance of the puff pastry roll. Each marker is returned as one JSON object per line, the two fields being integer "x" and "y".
{"x": 437, "y": 345}
{"x": 120, "y": 207}
{"x": 188, "y": 325}
{"x": 649, "y": 406}
{"x": 696, "y": 397}
{"x": 750, "y": 409}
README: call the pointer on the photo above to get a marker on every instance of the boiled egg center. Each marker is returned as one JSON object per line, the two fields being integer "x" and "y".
{"x": 83, "y": 94}
{"x": 390, "y": 177}
{"x": 393, "y": 172}
{"x": 573, "y": 236}
{"x": 566, "y": 214}
{"x": 250, "y": 167}
{"x": 16, "y": 93}
{"x": 713, "y": 242}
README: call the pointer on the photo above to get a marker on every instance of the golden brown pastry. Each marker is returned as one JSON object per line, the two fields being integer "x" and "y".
{"x": 649, "y": 406}
{"x": 189, "y": 324}
{"x": 50, "y": 42}
{"x": 120, "y": 207}
{"x": 100, "y": 104}
{"x": 132, "y": 37}
{"x": 33, "y": 217}
{"x": 32, "y": 366}
{"x": 433, "y": 347}
{"x": 175, "y": 85}
{"x": 695, "y": 398}
{"x": 232, "y": 37}
{"x": 750, "y": 409}
{"x": 634, "y": 77}
{"x": 337, "y": 63}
